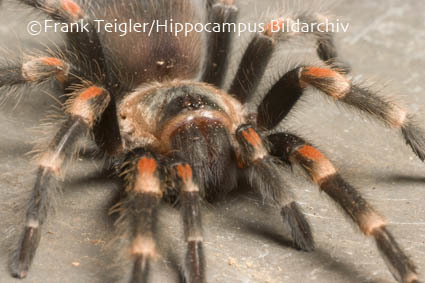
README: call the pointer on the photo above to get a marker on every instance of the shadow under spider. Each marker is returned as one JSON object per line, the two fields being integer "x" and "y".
{"x": 279, "y": 235}
{"x": 403, "y": 179}
{"x": 244, "y": 196}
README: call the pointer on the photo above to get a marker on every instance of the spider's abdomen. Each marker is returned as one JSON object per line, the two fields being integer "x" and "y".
{"x": 155, "y": 52}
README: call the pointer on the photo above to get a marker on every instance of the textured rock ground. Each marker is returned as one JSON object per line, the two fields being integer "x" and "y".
{"x": 245, "y": 242}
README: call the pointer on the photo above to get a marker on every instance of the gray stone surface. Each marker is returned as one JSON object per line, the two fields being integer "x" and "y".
{"x": 244, "y": 241}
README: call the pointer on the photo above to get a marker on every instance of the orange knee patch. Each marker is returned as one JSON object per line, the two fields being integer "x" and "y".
{"x": 55, "y": 62}
{"x": 185, "y": 172}
{"x": 252, "y": 137}
{"x": 321, "y": 168}
{"x": 146, "y": 180}
{"x": 72, "y": 8}
{"x": 40, "y": 69}
{"x": 337, "y": 87}
{"x": 254, "y": 140}
{"x": 83, "y": 107}
{"x": 51, "y": 61}
{"x": 146, "y": 166}
{"x": 312, "y": 153}
{"x": 90, "y": 93}
{"x": 319, "y": 72}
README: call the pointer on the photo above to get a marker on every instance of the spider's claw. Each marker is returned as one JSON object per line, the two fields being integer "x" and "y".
{"x": 19, "y": 269}
{"x": 20, "y": 274}
{"x": 300, "y": 228}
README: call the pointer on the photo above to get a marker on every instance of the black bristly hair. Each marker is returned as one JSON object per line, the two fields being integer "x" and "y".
{"x": 155, "y": 104}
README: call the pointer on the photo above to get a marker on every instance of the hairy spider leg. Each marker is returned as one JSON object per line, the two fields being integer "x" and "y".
{"x": 138, "y": 210}
{"x": 191, "y": 216}
{"x": 85, "y": 46}
{"x": 262, "y": 46}
{"x": 280, "y": 99}
{"x": 145, "y": 176}
{"x": 83, "y": 110}
{"x": 295, "y": 151}
{"x": 266, "y": 176}
{"x": 35, "y": 70}
{"x": 215, "y": 66}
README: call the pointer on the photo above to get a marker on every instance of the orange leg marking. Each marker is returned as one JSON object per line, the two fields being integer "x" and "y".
{"x": 311, "y": 153}
{"x": 319, "y": 72}
{"x": 339, "y": 87}
{"x": 185, "y": 172}
{"x": 228, "y": 2}
{"x": 146, "y": 166}
{"x": 321, "y": 168}
{"x": 252, "y": 137}
{"x": 51, "y": 61}
{"x": 146, "y": 181}
{"x": 72, "y": 8}
{"x": 90, "y": 93}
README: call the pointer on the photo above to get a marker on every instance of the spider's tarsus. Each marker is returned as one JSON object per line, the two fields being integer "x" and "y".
{"x": 195, "y": 269}
{"x": 20, "y": 272}
{"x": 300, "y": 228}
{"x": 414, "y": 137}
{"x": 405, "y": 270}
{"x": 38, "y": 206}
{"x": 327, "y": 51}
{"x": 335, "y": 84}
{"x": 140, "y": 271}
{"x": 391, "y": 114}
{"x": 324, "y": 174}
{"x": 24, "y": 255}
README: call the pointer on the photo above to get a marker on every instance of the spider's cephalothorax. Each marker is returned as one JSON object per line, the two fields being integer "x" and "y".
{"x": 155, "y": 103}
{"x": 189, "y": 120}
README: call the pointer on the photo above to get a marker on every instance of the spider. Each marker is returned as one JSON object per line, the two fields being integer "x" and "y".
{"x": 156, "y": 106}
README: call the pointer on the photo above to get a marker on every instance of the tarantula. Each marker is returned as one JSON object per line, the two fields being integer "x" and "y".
{"x": 155, "y": 105}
